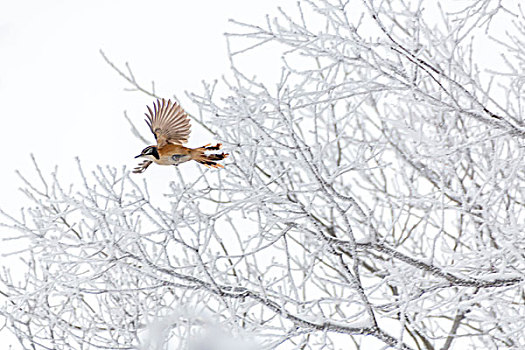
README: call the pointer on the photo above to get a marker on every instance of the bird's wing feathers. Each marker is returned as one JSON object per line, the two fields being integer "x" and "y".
{"x": 168, "y": 122}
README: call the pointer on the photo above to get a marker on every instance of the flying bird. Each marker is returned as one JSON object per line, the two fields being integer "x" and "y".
{"x": 171, "y": 127}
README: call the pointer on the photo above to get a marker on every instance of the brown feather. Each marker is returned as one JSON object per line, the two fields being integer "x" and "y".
{"x": 168, "y": 122}
{"x": 208, "y": 160}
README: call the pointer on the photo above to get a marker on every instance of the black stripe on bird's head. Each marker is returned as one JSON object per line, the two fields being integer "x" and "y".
{"x": 149, "y": 151}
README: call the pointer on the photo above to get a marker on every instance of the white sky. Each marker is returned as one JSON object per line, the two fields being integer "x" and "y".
{"x": 60, "y": 100}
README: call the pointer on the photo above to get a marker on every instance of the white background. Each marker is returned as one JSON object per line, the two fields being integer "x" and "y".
{"x": 60, "y": 100}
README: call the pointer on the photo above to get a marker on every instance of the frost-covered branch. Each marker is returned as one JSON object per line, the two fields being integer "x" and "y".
{"x": 373, "y": 198}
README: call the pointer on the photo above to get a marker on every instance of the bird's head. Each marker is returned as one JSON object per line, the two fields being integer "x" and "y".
{"x": 150, "y": 153}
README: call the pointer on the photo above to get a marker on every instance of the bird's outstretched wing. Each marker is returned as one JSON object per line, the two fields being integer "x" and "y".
{"x": 168, "y": 122}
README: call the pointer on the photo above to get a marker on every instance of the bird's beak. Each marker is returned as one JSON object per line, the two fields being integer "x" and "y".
{"x": 138, "y": 156}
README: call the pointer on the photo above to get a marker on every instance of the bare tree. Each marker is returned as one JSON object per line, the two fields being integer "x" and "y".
{"x": 374, "y": 196}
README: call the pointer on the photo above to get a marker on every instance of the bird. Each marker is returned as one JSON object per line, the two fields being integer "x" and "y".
{"x": 170, "y": 125}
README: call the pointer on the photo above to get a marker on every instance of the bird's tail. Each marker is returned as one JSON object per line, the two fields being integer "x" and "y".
{"x": 209, "y": 160}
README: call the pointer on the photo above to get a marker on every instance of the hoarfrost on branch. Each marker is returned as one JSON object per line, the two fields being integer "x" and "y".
{"x": 374, "y": 197}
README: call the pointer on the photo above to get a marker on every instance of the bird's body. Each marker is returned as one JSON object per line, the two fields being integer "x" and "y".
{"x": 175, "y": 154}
{"x": 171, "y": 154}
{"x": 170, "y": 125}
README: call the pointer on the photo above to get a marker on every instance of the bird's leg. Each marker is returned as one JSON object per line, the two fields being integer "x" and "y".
{"x": 142, "y": 167}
